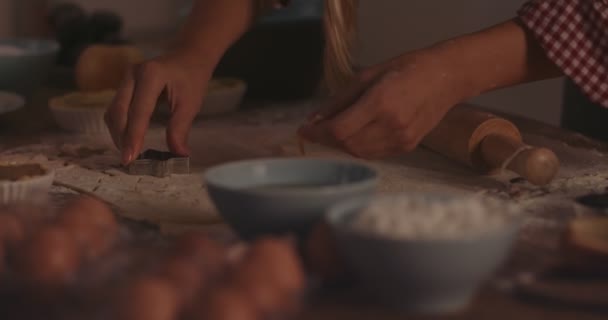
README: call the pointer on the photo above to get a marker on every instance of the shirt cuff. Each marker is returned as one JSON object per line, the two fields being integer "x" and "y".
{"x": 574, "y": 35}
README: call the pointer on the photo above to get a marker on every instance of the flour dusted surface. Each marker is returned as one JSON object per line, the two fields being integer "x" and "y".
{"x": 269, "y": 132}
{"x": 92, "y": 169}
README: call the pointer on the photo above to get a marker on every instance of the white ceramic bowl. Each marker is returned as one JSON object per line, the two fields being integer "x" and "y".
{"x": 420, "y": 275}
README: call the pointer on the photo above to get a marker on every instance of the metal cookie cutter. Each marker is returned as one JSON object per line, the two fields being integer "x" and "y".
{"x": 159, "y": 164}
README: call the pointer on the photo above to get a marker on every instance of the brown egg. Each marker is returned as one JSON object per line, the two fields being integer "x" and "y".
{"x": 96, "y": 244}
{"x": 186, "y": 276}
{"x": 92, "y": 224}
{"x": 92, "y": 243}
{"x": 11, "y": 230}
{"x": 201, "y": 249}
{"x": 148, "y": 298}
{"x": 281, "y": 262}
{"x": 49, "y": 258}
{"x": 321, "y": 255}
{"x": 235, "y": 254}
{"x": 88, "y": 212}
{"x": 31, "y": 217}
{"x": 227, "y": 303}
{"x": 252, "y": 279}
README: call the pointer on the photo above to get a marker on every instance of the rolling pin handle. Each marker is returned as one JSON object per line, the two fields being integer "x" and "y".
{"x": 537, "y": 165}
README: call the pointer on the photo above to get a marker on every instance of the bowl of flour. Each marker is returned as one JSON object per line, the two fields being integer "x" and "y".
{"x": 25, "y": 64}
{"x": 424, "y": 253}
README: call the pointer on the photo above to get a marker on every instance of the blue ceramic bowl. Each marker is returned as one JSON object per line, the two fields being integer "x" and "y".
{"x": 23, "y": 73}
{"x": 418, "y": 275}
{"x": 279, "y": 196}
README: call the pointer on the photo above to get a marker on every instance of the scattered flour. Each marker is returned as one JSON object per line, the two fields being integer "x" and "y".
{"x": 421, "y": 218}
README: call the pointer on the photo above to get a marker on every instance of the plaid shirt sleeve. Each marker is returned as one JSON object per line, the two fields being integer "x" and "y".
{"x": 574, "y": 35}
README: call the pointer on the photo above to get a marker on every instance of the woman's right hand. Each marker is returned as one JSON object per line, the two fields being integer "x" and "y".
{"x": 173, "y": 75}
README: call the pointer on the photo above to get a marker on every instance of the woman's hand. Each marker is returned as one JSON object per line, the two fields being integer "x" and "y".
{"x": 391, "y": 107}
{"x": 174, "y": 76}
{"x": 388, "y": 108}
{"x": 181, "y": 75}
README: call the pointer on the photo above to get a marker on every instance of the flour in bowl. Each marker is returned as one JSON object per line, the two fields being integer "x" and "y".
{"x": 415, "y": 218}
{"x": 9, "y": 50}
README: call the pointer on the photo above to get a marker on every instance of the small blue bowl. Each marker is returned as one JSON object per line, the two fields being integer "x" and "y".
{"x": 433, "y": 276}
{"x": 25, "y": 72}
{"x": 280, "y": 196}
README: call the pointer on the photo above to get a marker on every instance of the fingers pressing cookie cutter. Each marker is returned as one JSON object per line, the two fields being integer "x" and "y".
{"x": 159, "y": 164}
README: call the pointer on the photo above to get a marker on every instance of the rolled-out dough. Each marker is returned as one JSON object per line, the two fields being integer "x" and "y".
{"x": 178, "y": 199}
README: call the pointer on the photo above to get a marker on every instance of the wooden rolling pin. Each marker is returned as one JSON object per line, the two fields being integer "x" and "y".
{"x": 487, "y": 142}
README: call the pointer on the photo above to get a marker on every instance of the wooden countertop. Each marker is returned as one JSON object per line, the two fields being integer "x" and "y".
{"x": 584, "y": 170}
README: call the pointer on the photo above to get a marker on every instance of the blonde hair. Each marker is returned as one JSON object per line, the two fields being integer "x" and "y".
{"x": 340, "y": 25}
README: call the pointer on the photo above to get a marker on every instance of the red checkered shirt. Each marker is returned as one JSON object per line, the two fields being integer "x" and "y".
{"x": 574, "y": 35}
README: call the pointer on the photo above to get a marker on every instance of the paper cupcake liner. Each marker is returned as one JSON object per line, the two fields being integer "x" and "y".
{"x": 82, "y": 112}
{"x": 223, "y": 101}
{"x": 28, "y": 190}
{"x": 85, "y": 121}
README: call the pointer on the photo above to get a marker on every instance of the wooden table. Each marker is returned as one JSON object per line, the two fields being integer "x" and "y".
{"x": 584, "y": 170}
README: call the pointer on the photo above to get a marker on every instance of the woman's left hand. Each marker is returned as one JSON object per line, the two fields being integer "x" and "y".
{"x": 388, "y": 108}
